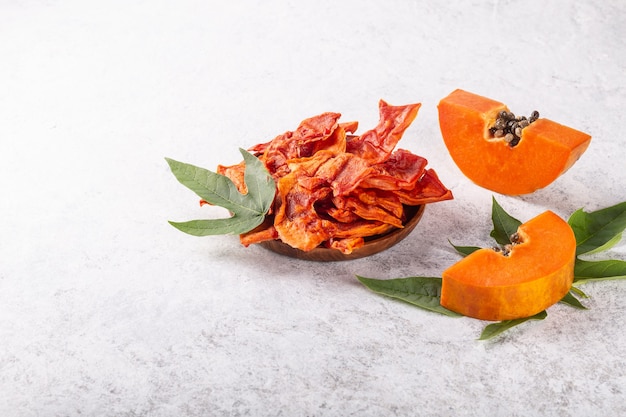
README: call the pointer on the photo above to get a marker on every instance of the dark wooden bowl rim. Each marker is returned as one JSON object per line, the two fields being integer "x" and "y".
{"x": 373, "y": 245}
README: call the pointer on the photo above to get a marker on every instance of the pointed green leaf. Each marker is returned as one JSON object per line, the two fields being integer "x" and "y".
{"x": 495, "y": 329}
{"x": 225, "y": 226}
{"x": 504, "y": 225}
{"x": 608, "y": 245}
{"x": 571, "y": 300}
{"x": 598, "y": 229}
{"x": 464, "y": 250}
{"x": 423, "y": 292}
{"x": 578, "y": 292}
{"x": 260, "y": 184}
{"x": 248, "y": 210}
{"x": 598, "y": 270}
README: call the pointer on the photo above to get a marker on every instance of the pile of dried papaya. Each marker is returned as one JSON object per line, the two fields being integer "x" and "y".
{"x": 334, "y": 188}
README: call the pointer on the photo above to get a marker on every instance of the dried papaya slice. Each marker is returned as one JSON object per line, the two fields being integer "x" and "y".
{"x": 401, "y": 171}
{"x": 429, "y": 189}
{"x": 297, "y": 223}
{"x": 368, "y": 211}
{"x": 297, "y": 144}
{"x": 377, "y": 144}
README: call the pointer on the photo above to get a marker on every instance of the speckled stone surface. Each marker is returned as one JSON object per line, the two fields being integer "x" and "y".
{"x": 106, "y": 310}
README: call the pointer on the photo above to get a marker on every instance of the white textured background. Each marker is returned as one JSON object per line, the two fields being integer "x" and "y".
{"x": 106, "y": 310}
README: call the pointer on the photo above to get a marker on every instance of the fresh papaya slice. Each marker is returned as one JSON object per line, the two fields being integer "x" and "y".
{"x": 523, "y": 279}
{"x": 503, "y": 153}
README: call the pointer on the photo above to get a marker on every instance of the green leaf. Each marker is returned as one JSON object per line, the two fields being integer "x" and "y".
{"x": 578, "y": 292}
{"x": 585, "y": 271}
{"x": 464, "y": 250}
{"x": 495, "y": 329}
{"x": 571, "y": 300}
{"x": 226, "y": 226}
{"x": 423, "y": 292}
{"x": 248, "y": 210}
{"x": 608, "y": 245}
{"x": 503, "y": 224}
{"x": 598, "y": 230}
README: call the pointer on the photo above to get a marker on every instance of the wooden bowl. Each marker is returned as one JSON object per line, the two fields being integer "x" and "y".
{"x": 373, "y": 244}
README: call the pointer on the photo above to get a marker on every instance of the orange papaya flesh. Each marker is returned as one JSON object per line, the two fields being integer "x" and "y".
{"x": 537, "y": 273}
{"x": 544, "y": 152}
